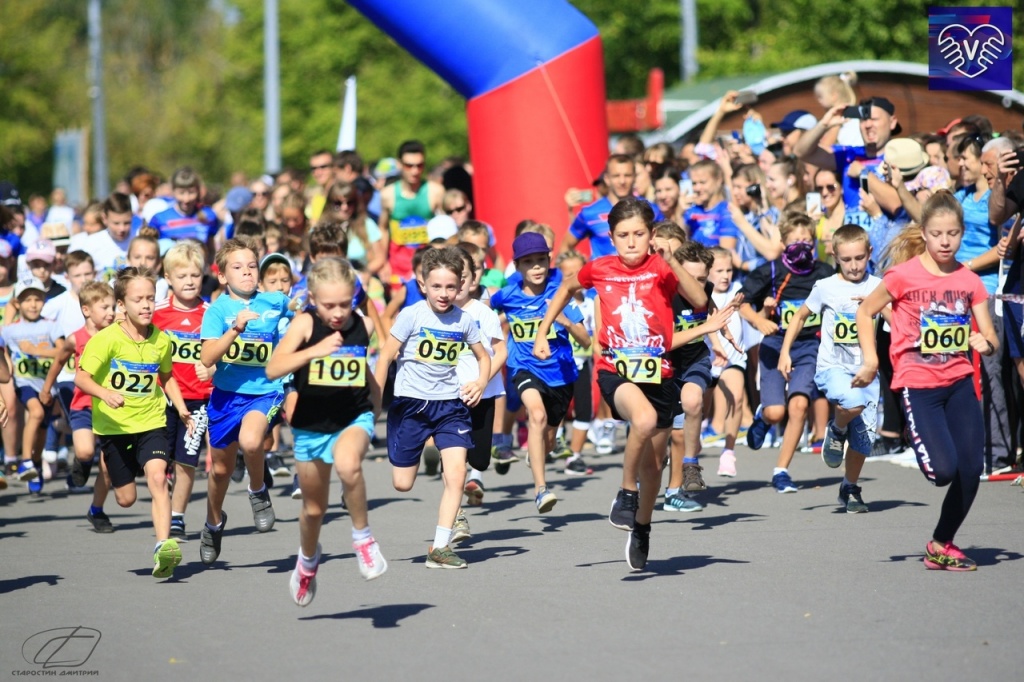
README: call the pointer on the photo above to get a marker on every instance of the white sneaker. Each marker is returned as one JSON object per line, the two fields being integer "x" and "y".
{"x": 371, "y": 561}
{"x": 302, "y": 585}
{"x": 606, "y": 438}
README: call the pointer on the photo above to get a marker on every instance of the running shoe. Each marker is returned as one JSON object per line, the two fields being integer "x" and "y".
{"x": 606, "y": 438}
{"x": 503, "y": 454}
{"x": 166, "y": 558}
{"x": 638, "y": 546}
{"x": 35, "y": 486}
{"x": 757, "y": 431}
{"x": 545, "y": 500}
{"x": 741, "y": 435}
{"x": 575, "y": 466}
{"x": 277, "y": 465}
{"x": 693, "y": 482}
{"x": 522, "y": 434}
{"x": 177, "y": 526}
{"x": 849, "y": 497}
{"x": 948, "y": 558}
{"x": 783, "y": 483}
{"x": 209, "y": 541}
{"x": 561, "y": 449}
{"x": 268, "y": 476}
{"x": 27, "y": 471}
{"x": 3, "y": 481}
{"x": 681, "y": 503}
{"x": 100, "y": 522}
{"x": 816, "y": 446}
{"x": 79, "y": 474}
{"x": 296, "y": 489}
{"x": 444, "y": 558}
{"x": 832, "y": 446}
{"x": 727, "y": 465}
{"x": 344, "y": 505}
{"x": 460, "y": 531}
{"x": 623, "y": 511}
{"x": 302, "y": 583}
{"x": 73, "y": 489}
{"x": 239, "y": 473}
{"x": 501, "y": 469}
{"x": 887, "y": 445}
{"x": 709, "y": 437}
{"x": 431, "y": 459}
{"x": 371, "y": 562}
{"x": 474, "y": 492}
{"x": 262, "y": 510}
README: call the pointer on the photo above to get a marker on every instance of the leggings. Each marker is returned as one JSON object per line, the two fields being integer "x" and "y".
{"x": 948, "y": 435}
{"x": 479, "y": 456}
{"x": 583, "y": 395}
{"x": 892, "y": 415}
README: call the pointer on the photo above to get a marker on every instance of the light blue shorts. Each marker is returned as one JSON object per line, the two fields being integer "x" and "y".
{"x": 834, "y": 382}
{"x": 311, "y": 446}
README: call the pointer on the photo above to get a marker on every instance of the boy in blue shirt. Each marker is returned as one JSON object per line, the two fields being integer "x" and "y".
{"x": 545, "y": 386}
{"x": 185, "y": 219}
{"x": 239, "y": 332}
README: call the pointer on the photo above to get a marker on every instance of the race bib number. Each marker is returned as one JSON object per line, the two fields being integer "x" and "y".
{"x": 579, "y": 351}
{"x": 250, "y": 349}
{"x": 72, "y": 364}
{"x": 524, "y": 330}
{"x": 844, "y": 329}
{"x": 32, "y": 368}
{"x": 409, "y": 232}
{"x": 686, "y": 322}
{"x": 639, "y": 365}
{"x": 787, "y": 309}
{"x": 944, "y": 333}
{"x": 438, "y": 347}
{"x": 133, "y": 379}
{"x": 185, "y": 347}
{"x": 345, "y": 367}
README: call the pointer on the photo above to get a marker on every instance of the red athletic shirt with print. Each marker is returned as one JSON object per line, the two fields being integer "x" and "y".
{"x": 636, "y": 307}
{"x": 80, "y": 400}
{"x": 183, "y": 327}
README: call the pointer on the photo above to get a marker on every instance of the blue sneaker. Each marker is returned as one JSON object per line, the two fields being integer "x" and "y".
{"x": 35, "y": 486}
{"x": 680, "y": 502}
{"x": 783, "y": 483}
{"x": 545, "y": 500}
{"x": 849, "y": 497}
{"x": 709, "y": 437}
{"x": 27, "y": 471}
{"x": 757, "y": 431}
{"x": 832, "y": 446}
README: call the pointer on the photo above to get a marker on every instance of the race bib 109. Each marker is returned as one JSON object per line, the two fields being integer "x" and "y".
{"x": 345, "y": 367}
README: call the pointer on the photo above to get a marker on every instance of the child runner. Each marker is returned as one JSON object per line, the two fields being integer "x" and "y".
{"x": 570, "y": 263}
{"x": 634, "y": 371}
{"x": 835, "y": 300}
{"x": 333, "y": 419}
{"x": 239, "y": 333}
{"x": 181, "y": 317}
{"x": 779, "y": 288}
{"x": 544, "y": 383}
{"x": 186, "y": 219}
{"x": 429, "y": 400}
{"x": 123, "y": 368}
{"x": 144, "y": 252}
{"x": 97, "y": 305}
{"x": 109, "y": 247}
{"x": 933, "y": 298}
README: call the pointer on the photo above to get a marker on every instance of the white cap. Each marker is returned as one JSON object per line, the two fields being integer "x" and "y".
{"x": 441, "y": 227}
{"x": 30, "y": 284}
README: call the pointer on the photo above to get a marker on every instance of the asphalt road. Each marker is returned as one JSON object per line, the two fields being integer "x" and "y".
{"x": 758, "y": 585}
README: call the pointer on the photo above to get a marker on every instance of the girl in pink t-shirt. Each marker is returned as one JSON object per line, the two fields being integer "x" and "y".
{"x": 933, "y": 299}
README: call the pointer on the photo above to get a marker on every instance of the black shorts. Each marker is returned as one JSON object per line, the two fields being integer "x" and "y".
{"x": 582, "y": 398}
{"x": 185, "y": 452}
{"x": 663, "y": 397}
{"x": 126, "y": 455}
{"x": 556, "y": 398}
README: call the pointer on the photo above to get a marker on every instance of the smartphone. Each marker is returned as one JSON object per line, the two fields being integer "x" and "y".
{"x": 754, "y": 192}
{"x": 864, "y": 182}
{"x": 686, "y": 186}
{"x": 813, "y": 202}
{"x": 585, "y": 196}
{"x": 858, "y": 111}
{"x": 746, "y": 97}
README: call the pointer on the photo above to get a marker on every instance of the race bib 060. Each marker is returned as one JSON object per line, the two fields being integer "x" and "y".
{"x": 944, "y": 333}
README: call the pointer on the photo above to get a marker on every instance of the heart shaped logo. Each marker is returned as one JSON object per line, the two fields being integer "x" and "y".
{"x": 971, "y": 51}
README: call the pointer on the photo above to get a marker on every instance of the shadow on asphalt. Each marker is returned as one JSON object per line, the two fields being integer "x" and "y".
{"x": 16, "y": 534}
{"x": 499, "y": 535}
{"x": 677, "y": 566}
{"x": 386, "y": 616}
{"x": 702, "y": 522}
{"x": 28, "y": 581}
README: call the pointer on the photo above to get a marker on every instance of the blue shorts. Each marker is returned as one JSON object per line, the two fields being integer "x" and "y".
{"x": 512, "y": 400}
{"x": 834, "y": 383}
{"x": 774, "y": 390}
{"x": 80, "y": 420}
{"x": 226, "y": 411}
{"x": 27, "y": 393}
{"x": 311, "y": 446}
{"x": 1013, "y": 328}
{"x": 698, "y": 373}
{"x": 411, "y": 421}
{"x": 65, "y": 393}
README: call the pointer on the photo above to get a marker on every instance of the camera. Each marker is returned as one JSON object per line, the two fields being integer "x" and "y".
{"x": 754, "y": 192}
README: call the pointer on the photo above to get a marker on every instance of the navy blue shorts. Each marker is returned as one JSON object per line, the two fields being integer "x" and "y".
{"x": 80, "y": 420}
{"x": 698, "y": 373}
{"x": 27, "y": 393}
{"x": 1013, "y": 328}
{"x": 774, "y": 390}
{"x": 411, "y": 421}
{"x": 65, "y": 392}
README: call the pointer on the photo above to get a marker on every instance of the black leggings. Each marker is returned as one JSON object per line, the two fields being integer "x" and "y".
{"x": 892, "y": 414}
{"x": 948, "y": 436}
{"x": 583, "y": 395}
{"x": 479, "y": 456}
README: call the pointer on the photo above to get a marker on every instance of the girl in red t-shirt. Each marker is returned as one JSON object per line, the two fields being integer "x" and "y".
{"x": 933, "y": 298}
{"x": 634, "y": 370}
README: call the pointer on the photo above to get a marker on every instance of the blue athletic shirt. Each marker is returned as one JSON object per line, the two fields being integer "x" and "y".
{"x": 173, "y": 225}
{"x": 243, "y": 367}
{"x": 845, "y": 156}
{"x": 524, "y": 313}
{"x": 979, "y": 234}
{"x": 592, "y": 222}
{"x": 708, "y": 226}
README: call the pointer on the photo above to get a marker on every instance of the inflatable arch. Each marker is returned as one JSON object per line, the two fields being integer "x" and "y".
{"x": 532, "y": 72}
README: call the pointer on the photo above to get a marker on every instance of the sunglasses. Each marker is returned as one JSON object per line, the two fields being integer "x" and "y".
{"x": 344, "y": 202}
{"x": 261, "y": 194}
{"x": 456, "y": 209}
{"x": 827, "y": 189}
{"x": 414, "y": 165}
{"x": 323, "y": 167}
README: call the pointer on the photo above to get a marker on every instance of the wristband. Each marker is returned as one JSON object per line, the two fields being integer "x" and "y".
{"x": 991, "y": 348}
{"x": 237, "y": 330}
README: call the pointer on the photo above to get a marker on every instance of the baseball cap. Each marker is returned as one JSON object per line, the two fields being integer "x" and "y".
{"x": 237, "y": 198}
{"x": 272, "y": 258}
{"x": 528, "y": 244}
{"x": 386, "y": 168}
{"x": 907, "y": 155}
{"x": 30, "y": 284}
{"x": 441, "y": 228}
{"x": 9, "y": 195}
{"x": 886, "y": 106}
{"x": 56, "y": 233}
{"x": 796, "y": 120}
{"x": 43, "y": 250}
{"x": 944, "y": 130}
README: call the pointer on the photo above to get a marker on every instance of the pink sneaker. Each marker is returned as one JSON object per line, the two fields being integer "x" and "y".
{"x": 949, "y": 558}
{"x": 727, "y": 465}
{"x": 302, "y": 584}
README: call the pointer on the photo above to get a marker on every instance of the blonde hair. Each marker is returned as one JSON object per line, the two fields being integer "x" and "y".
{"x": 91, "y": 292}
{"x": 850, "y": 234}
{"x": 841, "y": 86}
{"x": 909, "y": 243}
{"x": 232, "y": 245}
{"x": 184, "y": 254}
{"x": 330, "y": 270}
{"x": 571, "y": 254}
{"x": 793, "y": 221}
{"x": 668, "y": 229}
{"x": 274, "y": 268}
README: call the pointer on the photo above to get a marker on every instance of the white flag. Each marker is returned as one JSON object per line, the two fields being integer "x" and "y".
{"x": 347, "y": 132}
